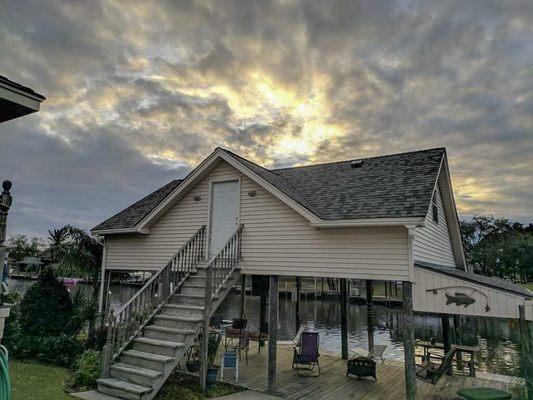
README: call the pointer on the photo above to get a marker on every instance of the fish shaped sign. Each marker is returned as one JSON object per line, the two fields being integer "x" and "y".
{"x": 459, "y": 299}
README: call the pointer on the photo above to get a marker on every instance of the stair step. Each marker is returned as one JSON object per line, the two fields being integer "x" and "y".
{"x": 193, "y": 296}
{"x": 124, "y": 390}
{"x": 135, "y": 374}
{"x": 185, "y": 306}
{"x": 177, "y": 321}
{"x": 131, "y": 369}
{"x": 166, "y": 329}
{"x": 147, "y": 356}
{"x": 178, "y": 318}
{"x": 157, "y": 342}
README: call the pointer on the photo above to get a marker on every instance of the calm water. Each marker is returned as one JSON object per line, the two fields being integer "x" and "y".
{"x": 498, "y": 339}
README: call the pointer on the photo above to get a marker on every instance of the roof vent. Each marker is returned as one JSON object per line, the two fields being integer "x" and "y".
{"x": 356, "y": 164}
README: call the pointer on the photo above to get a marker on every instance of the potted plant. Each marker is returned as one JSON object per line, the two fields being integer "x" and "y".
{"x": 193, "y": 358}
{"x": 212, "y": 350}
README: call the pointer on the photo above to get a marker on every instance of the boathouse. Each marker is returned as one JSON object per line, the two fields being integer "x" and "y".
{"x": 389, "y": 218}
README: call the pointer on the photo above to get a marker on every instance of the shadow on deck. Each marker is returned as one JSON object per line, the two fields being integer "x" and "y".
{"x": 333, "y": 383}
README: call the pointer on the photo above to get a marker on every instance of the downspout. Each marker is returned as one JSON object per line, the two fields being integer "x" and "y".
{"x": 102, "y": 279}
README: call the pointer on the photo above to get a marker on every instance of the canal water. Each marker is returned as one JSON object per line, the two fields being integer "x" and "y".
{"x": 498, "y": 339}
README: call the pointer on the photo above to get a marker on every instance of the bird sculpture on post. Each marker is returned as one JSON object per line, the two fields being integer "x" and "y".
{"x": 5, "y": 204}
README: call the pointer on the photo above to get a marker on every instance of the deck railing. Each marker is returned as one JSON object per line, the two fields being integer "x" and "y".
{"x": 129, "y": 321}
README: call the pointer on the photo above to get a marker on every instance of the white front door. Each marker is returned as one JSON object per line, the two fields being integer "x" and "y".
{"x": 224, "y": 214}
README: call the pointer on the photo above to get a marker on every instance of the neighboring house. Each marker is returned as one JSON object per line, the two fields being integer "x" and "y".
{"x": 17, "y": 100}
{"x": 382, "y": 218}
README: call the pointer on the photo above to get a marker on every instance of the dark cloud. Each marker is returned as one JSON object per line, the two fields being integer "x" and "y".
{"x": 138, "y": 93}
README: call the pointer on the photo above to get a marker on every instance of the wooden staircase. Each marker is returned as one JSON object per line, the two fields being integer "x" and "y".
{"x": 138, "y": 361}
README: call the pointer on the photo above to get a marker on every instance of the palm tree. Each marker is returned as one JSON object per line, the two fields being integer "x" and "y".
{"x": 81, "y": 255}
{"x": 57, "y": 238}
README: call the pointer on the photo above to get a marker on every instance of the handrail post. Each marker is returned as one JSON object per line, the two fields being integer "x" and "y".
{"x": 107, "y": 353}
{"x": 205, "y": 329}
{"x": 166, "y": 283}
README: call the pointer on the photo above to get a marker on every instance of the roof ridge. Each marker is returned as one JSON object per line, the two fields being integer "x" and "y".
{"x": 351, "y": 159}
{"x": 250, "y": 161}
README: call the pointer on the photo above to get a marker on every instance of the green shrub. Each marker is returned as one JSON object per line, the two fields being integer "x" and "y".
{"x": 46, "y": 308}
{"x": 60, "y": 350}
{"x": 87, "y": 371}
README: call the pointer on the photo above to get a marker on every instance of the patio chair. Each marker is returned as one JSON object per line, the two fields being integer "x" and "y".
{"x": 243, "y": 345}
{"x": 377, "y": 352}
{"x": 296, "y": 339}
{"x": 305, "y": 356}
{"x": 361, "y": 367}
{"x": 229, "y": 360}
{"x": 431, "y": 373}
{"x": 235, "y": 331}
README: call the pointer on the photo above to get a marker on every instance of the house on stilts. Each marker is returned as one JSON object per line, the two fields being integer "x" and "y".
{"x": 388, "y": 218}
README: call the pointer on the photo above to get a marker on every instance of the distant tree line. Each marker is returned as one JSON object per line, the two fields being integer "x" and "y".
{"x": 20, "y": 247}
{"x": 499, "y": 247}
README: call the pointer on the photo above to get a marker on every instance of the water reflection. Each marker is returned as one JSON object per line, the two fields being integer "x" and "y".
{"x": 498, "y": 339}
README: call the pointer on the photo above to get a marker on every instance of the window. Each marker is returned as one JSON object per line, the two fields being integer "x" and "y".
{"x": 435, "y": 208}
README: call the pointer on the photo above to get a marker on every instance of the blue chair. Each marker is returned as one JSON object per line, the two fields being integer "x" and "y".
{"x": 230, "y": 360}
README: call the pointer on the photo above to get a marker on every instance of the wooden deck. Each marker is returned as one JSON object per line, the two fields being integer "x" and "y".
{"x": 333, "y": 383}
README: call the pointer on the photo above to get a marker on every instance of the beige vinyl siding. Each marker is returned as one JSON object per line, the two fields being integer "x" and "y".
{"x": 502, "y": 304}
{"x": 276, "y": 239}
{"x": 432, "y": 242}
{"x": 152, "y": 251}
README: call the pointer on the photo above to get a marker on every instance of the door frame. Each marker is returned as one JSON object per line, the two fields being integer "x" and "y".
{"x": 210, "y": 206}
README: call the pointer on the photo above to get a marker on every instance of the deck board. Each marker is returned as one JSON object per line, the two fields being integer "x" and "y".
{"x": 333, "y": 383}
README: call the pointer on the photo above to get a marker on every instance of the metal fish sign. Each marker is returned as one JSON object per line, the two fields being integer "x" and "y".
{"x": 459, "y": 299}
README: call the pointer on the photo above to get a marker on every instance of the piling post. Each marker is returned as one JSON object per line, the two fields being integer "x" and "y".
{"x": 370, "y": 315}
{"x": 297, "y": 303}
{"x": 409, "y": 341}
{"x": 445, "y": 322}
{"x": 526, "y": 335}
{"x": 262, "y": 317}
{"x": 344, "y": 319}
{"x": 243, "y": 294}
{"x": 272, "y": 332}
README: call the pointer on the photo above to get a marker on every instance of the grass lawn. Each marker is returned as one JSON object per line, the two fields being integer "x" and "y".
{"x": 33, "y": 381}
{"x": 185, "y": 387}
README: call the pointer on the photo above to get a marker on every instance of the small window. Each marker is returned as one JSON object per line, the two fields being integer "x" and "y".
{"x": 435, "y": 208}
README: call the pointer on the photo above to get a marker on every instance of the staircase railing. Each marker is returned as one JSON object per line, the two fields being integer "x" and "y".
{"x": 218, "y": 270}
{"x": 129, "y": 321}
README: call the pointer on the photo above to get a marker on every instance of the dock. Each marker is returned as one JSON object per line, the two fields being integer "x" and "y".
{"x": 334, "y": 384}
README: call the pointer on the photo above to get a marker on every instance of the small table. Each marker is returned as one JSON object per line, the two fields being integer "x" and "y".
{"x": 256, "y": 336}
{"x": 483, "y": 393}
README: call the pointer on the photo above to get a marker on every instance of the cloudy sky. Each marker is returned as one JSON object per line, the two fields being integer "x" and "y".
{"x": 139, "y": 92}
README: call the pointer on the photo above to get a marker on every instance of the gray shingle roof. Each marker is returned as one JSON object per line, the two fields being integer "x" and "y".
{"x": 476, "y": 278}
{"x": 132, "y": 215}
{"x": 398, "y": 185}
